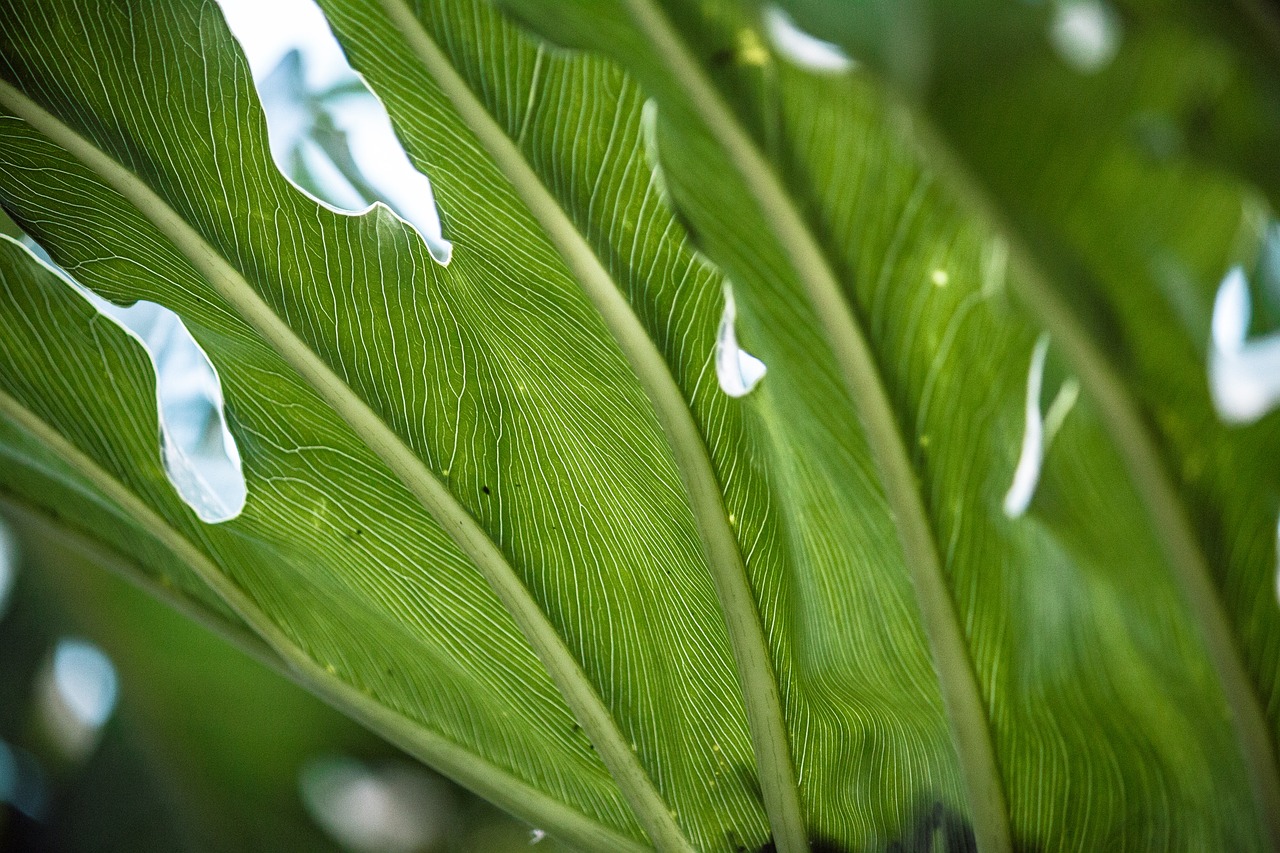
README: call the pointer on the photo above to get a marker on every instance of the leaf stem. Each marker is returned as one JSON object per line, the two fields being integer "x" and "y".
{"x": 578, "y": 691}
{"x": 274, "y": 648}
{"x": 957, "y": 679}
{"x": 750, "y": 648}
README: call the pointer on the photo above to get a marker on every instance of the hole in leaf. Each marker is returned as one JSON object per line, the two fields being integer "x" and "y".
{"x": 329, "y": 133}
{"x": 1039, "y": 431}
{"x": 78, "y": 690}
{"x": 1278, "y": 559}
{"x": 22, "y": 782}
{"x": 199, "y": 454}
{"x": 801, "y": 48}
{"x": 391, "y": 809}
{"x": 738, "y": 371}
{"x": 197, "y": 449}
{"x": 8, "y": 565}
{"x": 8, "y": 773}
{"x": 1244, "y": 376}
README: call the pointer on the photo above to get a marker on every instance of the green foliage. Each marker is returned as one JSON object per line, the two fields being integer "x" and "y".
{"x": 501, "y": 512}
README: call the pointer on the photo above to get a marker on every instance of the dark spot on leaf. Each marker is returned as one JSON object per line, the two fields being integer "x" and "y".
{"x": 695, "y": 237}
{"x": 935, "y": 827}
{"x": 747, "y": 776}
{"x": 816, "y": 845}
{"x": 485, "y": 489}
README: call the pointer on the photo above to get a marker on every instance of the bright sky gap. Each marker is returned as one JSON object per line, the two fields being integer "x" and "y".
{"x": 329, "y": 134}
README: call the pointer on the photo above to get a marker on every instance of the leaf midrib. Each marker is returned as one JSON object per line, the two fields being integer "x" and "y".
{"x": 580, "y": 695}
{"x": 966, "y": 714}
{"x": 272, "y": 647}
{"x": 776, "y": 769}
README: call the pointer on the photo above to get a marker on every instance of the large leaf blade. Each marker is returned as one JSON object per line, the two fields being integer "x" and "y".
{"x": 818, "y": 509}
{"x": 1177, "y": 220}
{"x": 488, "y": 633}
{"x": 710, "y": 672}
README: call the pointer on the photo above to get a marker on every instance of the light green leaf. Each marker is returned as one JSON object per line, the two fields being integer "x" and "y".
{"x": 50, "y": 322}
{"x": 502, "y": 511}
{"x": 584, "y": 530}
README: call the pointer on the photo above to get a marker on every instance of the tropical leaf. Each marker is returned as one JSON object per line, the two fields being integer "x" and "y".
{"x": 939, "y": 576}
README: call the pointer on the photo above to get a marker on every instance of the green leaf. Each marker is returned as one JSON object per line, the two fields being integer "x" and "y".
{"x": 495, "y": 502}
{"x": 375, "y": 580}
